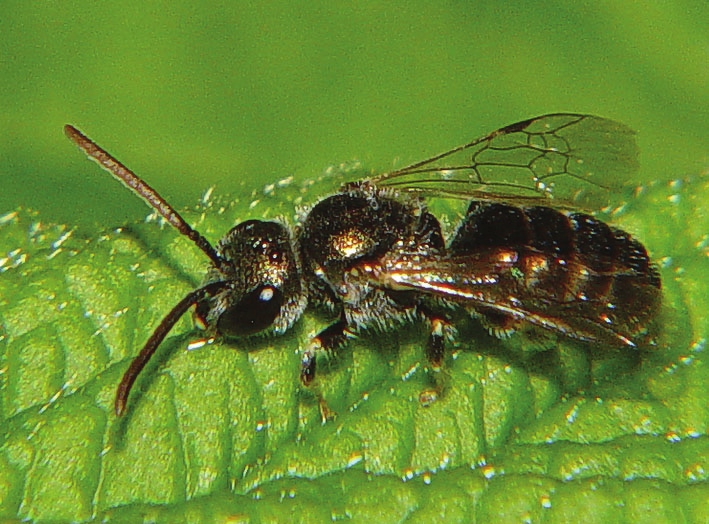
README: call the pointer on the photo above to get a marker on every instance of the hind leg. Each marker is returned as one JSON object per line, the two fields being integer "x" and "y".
{"x": 441, "y": 331}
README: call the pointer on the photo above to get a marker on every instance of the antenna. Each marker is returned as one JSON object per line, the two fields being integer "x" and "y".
{"x": 133, "y": 182}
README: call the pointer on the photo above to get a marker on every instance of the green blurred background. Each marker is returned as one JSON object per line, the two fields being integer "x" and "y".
{"x": 243, "y": 93}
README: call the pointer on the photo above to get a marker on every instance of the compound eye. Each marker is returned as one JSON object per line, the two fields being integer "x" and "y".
{"x": 255, "y": 312}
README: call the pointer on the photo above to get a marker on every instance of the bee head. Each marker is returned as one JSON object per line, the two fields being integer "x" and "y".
{"x": 263, "y": 290}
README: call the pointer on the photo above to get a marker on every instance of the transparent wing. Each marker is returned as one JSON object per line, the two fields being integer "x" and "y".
{"x": 571, "y": 158}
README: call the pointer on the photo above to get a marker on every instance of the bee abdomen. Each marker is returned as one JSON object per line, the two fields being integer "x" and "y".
{"x": 567, "y": 264}
{"x": 575, "y": 238}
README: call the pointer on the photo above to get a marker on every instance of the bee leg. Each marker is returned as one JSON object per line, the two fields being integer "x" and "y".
{"x": 436, "y": 346}
{"x": 307, "y": 365}
{"x": 328, "y": 340}
{"x": 441, "y": 329}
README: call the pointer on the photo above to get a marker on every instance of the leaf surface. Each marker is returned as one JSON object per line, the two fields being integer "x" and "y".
{"x": 226, "y": 430}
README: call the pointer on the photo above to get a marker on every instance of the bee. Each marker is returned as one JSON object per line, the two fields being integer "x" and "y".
{"x": 520, "y": 259}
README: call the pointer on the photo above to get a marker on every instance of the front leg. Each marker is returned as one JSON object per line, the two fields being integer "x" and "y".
{"x": 328, "y": 340}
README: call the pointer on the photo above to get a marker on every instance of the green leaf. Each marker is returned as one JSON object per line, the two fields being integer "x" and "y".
{"x": 226, "y": 431}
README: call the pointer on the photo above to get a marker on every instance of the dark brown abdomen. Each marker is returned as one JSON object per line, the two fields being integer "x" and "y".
{"x": 571, "y": 267}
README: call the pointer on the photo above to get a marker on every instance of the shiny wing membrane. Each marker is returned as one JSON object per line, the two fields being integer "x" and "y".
{"x": 573, "y": 159}
{"x": 463, "y": 280}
